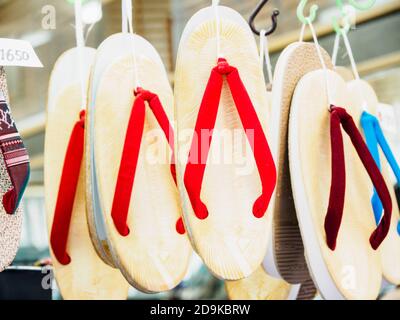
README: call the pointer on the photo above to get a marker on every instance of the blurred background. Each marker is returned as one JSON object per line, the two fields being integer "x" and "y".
{"x": 375, "y": 42}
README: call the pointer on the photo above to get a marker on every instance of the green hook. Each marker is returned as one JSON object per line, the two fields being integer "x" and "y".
{"x": 300, "y": 12}
{"x": 362, "y": 6}
{"x": 355, "y": 4}
{"x": 345, "y": 16}
{"x": 336, "y": 25}
{"x": 347, "y": 25}
{"x": 339, "y": 4}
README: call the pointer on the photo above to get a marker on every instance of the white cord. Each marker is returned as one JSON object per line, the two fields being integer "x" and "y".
{"x": 303, "y": 29}
{"x": 215, "y": 4}
{"x": 352, "y": 61}
{"x": 264, "y": 53}
{"x": 80, "y": 44}
{"x": 128, "y": 8}
{"x": 351, "y": 56}
{"x": 124, "y": 17}
{"x": 354, "y": 68}
{"x": 336, "y": 47}
{"x": 321, "y": 58}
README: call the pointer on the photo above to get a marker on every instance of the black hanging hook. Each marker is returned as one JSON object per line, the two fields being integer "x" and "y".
{"x": 274, "y": 18}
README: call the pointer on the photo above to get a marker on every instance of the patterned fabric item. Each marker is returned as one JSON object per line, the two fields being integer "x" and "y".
{"x": 15, "y": 156}
{"x": 10, "y": 225}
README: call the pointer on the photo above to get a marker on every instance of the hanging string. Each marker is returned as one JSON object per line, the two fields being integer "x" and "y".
{"x": 302, "y": 31}
{"x": 88, "y": 31}
{"x": 127, "y": 9}
{"x": 215, "y": 4}
{"x": 80, "y": 44}
{"x": 321, "y": 58}
{"x": 124, "y": 17}
{"x": 336, "y": 47}
{"x": 264, "y": 55}
{"x": 351, "y": 56}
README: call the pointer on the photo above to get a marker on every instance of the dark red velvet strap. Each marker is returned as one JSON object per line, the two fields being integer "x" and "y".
{"x": 205, "y": 124}
{"x": 339, "y": 117}
{"x": 130, "y": 155}
{"x": 67, "y": 191}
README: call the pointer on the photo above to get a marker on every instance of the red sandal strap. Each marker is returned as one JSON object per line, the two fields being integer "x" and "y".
{"x": 130, "y": 155}
{"x": 333, "y": 219}
{"x": 205, "y": 123}
{"x": 67, "y": 191}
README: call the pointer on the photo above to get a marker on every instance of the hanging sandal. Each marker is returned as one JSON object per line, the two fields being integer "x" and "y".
{"x": 287, "y": 259}
{"x": 138, "y": 200}
{"x": 335, "y": 229}
{"x": 364, "y": 98}
{"x": 226, "y": 205}
{"x": 79, "y": 272}
{"x": 366, "y": 104}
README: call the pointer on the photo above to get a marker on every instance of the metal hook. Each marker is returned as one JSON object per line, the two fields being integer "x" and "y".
{"x": 274, "y": 18}
{"x": 300, "y": 12}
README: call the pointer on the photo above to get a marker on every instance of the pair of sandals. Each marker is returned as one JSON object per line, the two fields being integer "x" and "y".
{"x": 14, "y": 177}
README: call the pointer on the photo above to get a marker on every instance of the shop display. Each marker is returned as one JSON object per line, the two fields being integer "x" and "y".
{"x": 225, "y": 209}
{"x": 234, "y": 171}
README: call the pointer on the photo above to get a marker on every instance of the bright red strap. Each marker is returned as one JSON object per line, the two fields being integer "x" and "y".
{"x": 334, "y": 215}
{"x": 205, "y": 124}
{"x": 130, "y": 155}
{"x": 67, "y": 191}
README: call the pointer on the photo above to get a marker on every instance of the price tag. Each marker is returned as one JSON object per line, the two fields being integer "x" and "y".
{"x": 18, "y": 53}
